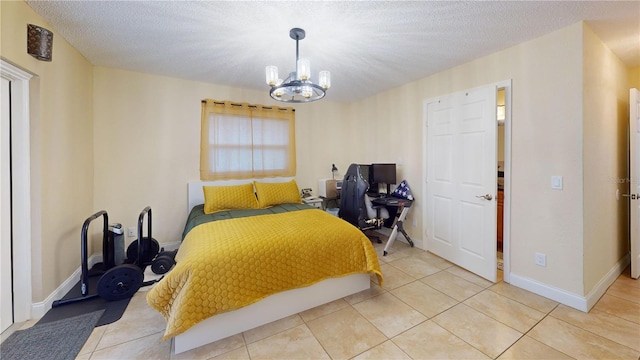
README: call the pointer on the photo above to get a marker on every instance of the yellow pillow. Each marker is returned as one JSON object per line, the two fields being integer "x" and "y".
{"x": 270, "y": 194}
{"x": 217, "y": 198}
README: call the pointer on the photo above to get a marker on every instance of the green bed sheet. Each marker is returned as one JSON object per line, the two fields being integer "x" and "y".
{"x": 197, "y": 215}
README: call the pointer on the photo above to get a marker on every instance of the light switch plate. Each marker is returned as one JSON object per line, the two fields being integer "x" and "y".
{"x": 556, "y": 182}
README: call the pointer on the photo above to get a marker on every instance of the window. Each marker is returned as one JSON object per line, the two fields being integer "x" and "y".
{"x": 241, "y": 141}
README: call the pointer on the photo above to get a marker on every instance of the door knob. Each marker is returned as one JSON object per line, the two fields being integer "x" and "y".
{"x": 485, "y": 196}
{"x": 632, "y": 196}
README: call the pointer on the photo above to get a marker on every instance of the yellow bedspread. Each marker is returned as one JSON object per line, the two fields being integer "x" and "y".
{"x": 225, "y": 265}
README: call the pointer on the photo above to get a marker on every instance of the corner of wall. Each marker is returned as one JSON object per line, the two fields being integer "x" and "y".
{"x": 605, "y": 121}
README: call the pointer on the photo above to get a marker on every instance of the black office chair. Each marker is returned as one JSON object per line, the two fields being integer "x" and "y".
{"x": 352, "y": 202}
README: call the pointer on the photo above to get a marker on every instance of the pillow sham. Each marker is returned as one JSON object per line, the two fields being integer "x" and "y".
{"x": 270, "y": 194}
{"x": 217, "y": 198}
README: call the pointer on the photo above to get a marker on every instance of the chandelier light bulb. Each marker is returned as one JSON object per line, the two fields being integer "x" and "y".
{"x": 304, "y": 69}
{"x": 324, "y": 79}
{"x": 272, "y": 75}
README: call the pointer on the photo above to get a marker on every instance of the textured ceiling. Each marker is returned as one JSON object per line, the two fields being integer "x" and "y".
{"x": 369, "y": 46}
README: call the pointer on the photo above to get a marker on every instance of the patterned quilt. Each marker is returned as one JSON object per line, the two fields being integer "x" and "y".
{"x": 228, "y": 264}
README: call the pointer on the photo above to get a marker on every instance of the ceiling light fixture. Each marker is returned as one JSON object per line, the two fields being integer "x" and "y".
{"x": 297, "y": 88}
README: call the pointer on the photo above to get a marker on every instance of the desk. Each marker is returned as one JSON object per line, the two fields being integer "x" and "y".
{"x": 403, "y": 205}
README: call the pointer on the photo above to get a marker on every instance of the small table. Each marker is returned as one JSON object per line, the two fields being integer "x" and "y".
{"x": 403, "y": 205}
{"x": 313, "y": 201}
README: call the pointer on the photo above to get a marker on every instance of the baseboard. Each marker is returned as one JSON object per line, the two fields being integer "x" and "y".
{"x": 564, "y": 297}
{"x": 582, "y": 303}
{"x": 40, "y": 308}
{"x": 601, "y": 287}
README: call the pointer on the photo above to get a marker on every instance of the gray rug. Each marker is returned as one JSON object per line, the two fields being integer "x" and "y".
{"x": 60, "y": 339}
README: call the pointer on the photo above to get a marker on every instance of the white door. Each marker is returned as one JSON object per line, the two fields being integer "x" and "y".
{"x": 634, "y": 187}
{"x": 6, "y": 277}
{"x": 462, "y": 178}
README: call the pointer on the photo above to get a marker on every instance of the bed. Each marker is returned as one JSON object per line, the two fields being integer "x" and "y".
{"x": 251, "y": 266}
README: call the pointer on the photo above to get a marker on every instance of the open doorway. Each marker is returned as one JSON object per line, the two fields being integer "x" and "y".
{"x": 500, "y": 117}
{"x": 503, "y": 186}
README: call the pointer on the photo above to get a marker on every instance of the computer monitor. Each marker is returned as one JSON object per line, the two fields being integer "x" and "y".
{"x": 383, "y": 174}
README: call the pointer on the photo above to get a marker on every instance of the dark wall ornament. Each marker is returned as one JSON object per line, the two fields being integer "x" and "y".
{"x": 39, "y": 42}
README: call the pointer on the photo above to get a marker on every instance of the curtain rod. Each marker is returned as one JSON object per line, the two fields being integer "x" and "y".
{"x": 251, "y": 106}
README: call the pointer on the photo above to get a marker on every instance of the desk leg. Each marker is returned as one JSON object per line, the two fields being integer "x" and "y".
{"x": 392, "y": 238}
{"x": 396, "y": 228}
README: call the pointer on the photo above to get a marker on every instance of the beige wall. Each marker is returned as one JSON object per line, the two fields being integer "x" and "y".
{"x": 634, "y": 77}
{"x": 546, "y": 140}
{"x": 321, "y": 140}
{"x": 390, "y": 126}
{"x": 147, "y": 143}
{"x": 558, "y": 128}
{"x": 605, "y": 108}
{"x": 61, "y": 148}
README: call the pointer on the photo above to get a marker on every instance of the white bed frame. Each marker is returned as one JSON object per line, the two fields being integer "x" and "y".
{"x": 270, "y": 309}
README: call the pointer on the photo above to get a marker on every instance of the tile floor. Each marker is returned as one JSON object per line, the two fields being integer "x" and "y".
{"x": 428, "y": 309}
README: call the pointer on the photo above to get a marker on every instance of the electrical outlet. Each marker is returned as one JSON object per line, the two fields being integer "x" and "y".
{"x": 131, "y": 232}
{"x": 541, "y": 259}
{"x": 556, "y": 182}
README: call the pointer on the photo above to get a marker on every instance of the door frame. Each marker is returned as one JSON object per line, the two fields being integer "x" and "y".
{"x": 634, "y": 169}
{"x": 21, "y": 188}
{"x": 506, "y": 239}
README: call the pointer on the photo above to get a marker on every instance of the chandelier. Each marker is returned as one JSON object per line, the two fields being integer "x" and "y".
{"x": 297, "y": 88}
